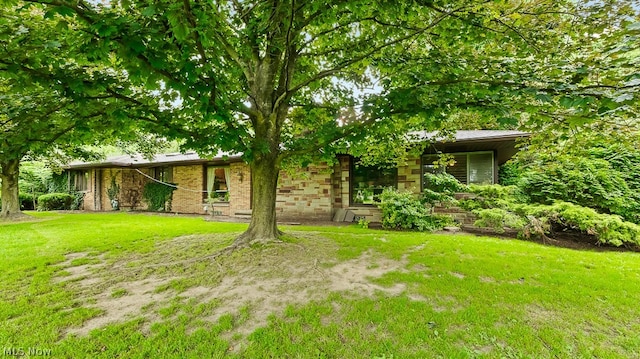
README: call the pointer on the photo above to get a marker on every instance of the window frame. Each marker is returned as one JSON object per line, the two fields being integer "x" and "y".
{"x": 352, "y": 168}
{"x": 467, "y": 153}
{"x": 75, "y": 174}
{"x": 158, "y": 171}
{"x": 227, "y": 180}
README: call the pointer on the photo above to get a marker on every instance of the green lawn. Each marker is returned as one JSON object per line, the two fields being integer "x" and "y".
{"x": 144, "y": 286}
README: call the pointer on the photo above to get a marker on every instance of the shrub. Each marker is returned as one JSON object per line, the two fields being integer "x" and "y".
{"x": 78, "y": 200}
{"x": 158, "y": 196}
{"x": 498, "y": 219}
{"x": 441, "y": 188}
{"x": 26, "y": 201}
{"x": 589, "y": 182}
{"x": 607, "y": 228}
{"x": 402, "y": 210}
{"x": 58, "y": 183}
{"x": 55, "y": 201}
{"x": 541, "y": 219}
{"x": 113, "y": 192}
{"x": 509, "y": 174}
{"x": 491, "y": 196}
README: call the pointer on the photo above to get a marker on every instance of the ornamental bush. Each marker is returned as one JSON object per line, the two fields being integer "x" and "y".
{"x": 607, "y": 228}
{"x": 498, "y": 219}
{"x": 158, "y": 196}
{"x": 402, "y": 210}
{"x": 441, "y": 188}
{"x": 495, "y": 207}
{"x": 55, "y": 201}
{"x": 26, "y": 201}
{"x": 591, "y": 182}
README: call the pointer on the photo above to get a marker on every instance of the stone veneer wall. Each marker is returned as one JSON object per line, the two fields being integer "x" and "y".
{"x": 409, "y": 176}
{"x": 308, "y": 197}
{"x": 408, "y": 180}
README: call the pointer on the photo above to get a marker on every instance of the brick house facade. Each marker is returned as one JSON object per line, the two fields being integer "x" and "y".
{"x": 314, "y": 193}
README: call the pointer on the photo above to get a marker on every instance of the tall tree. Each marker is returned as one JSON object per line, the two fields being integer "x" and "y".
{"x": 272, "y": 79}
{"x": 52, "y": 98}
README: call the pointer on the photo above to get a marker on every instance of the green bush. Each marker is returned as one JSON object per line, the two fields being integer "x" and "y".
{"x": 607, "y": 228}
{"x": 502, "y": 211}
{"x": 58, "y": 183}
{"x": 158, "y": 196}
{"x": 509, "y": 174}
{"x": 78, "y": 200}
{"x": 441, "y": 188}
{"x": 498, "y": 219}
{"x": 26, "y": 201}
{"x": 55, "y": 201}
{"x": 589, "y": 182}
{"x": 491, "y": 196}
{"x": 402, "y": 210}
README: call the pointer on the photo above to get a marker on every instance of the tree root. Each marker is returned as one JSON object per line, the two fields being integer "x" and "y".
{"x": 14, "y": 217}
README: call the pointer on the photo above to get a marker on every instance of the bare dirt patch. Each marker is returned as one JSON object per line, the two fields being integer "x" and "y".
{"x": 539, "y": 316}
{"x": 255, "y": 282}
{"x": 136, "y": 296}
{"x": 457, "y": 275}
{"x": 485, "y": 279}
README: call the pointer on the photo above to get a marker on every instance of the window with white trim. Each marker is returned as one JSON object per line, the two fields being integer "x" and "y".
{"x": 467, "y": 167}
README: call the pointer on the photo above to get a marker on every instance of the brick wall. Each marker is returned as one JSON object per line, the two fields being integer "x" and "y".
{"x": 188, "y": 198}
{"x": 307, "y": 196}
{"x": 340, "y": 181}
{"x": 315, "y": 194}
{"x": 240, "y": 189}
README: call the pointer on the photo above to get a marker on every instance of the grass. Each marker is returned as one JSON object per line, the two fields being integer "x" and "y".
{"x": 463, "y": 296}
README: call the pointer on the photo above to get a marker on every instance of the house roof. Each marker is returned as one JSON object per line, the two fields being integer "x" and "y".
{"x": 139, "y": 160}
{"x": 471, "y": 135}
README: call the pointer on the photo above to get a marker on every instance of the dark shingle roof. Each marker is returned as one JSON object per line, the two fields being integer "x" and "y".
{"x": 192, "y": 157}
{"x": 159, "y": 159}
{"x": 471, "y": 135}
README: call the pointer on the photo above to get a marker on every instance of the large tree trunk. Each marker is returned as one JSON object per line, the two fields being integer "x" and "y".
{"x": 264, "y": 182}
{"x": 9, "y": 172}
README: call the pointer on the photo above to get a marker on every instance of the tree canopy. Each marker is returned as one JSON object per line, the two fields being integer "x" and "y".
{"x": 54, "y": 100}
{"x": 289, "y": 81}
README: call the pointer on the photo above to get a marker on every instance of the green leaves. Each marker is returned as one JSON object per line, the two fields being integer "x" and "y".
{"x": 59, "y": 10}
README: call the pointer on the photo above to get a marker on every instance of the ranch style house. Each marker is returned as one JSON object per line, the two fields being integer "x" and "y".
{"x": 222, "y": 185}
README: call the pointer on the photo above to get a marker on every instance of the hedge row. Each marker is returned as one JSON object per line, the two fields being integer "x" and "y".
{"x": 55, "y": 201}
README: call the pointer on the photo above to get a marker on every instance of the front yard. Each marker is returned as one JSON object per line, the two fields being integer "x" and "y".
{"x": 147, "y": 286}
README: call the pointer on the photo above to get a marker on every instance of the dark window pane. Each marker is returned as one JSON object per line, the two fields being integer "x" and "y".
{"x": 80, "y": 180}
{"x": 368, "y": 182}
{"x": 459, "y": 169}
{"x": 481, "y": 168}
{"x": 163, "y": 174}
